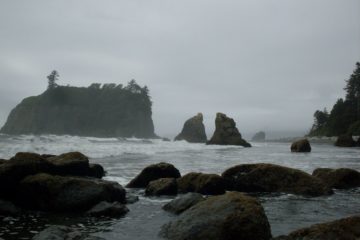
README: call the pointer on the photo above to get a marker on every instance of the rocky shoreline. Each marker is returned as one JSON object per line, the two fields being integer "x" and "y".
{"x": 68, "y": 184}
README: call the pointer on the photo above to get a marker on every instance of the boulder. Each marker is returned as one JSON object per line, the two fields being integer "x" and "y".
{"x": 65, "y": 193}
{"x": 162, "y": 186}
{"x": 263, "y": 177}
{"x": 154, "y": 172}
{"x": 302, "y": 145}
{"x": 72, "y": 163}
{"x": 18, "y": 167}
{"x": 343, "y": 229}
{"x": 226, "y": 132}
{"x": 259, "y": 137}
{"x": 96, "y": 170}
{"x": 56, "y": 232}
{"x": 345, "y": 141}
{"x": 47, "y": 155}
{"x": 8, "y": 208}
{"x": 341, "y": 178}
{"x": 208, "y": 184}
{"x": 106, "y": 209}
{"x": 166, "y": 139}
{"x": 193, "y": 130}
{"x": 229, "y": 216}
{"x": 183, "y": 202}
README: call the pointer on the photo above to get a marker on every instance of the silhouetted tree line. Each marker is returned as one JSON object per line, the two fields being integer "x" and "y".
{"x": 344, "y": 117}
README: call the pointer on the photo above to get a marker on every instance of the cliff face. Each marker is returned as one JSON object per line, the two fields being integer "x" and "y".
{"x": 110, "y": 111}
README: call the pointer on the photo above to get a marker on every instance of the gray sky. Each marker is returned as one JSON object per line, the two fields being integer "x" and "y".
{"x": 269, "y": 64}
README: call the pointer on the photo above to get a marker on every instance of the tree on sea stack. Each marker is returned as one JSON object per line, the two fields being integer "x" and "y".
{"x": 52, "y": 78}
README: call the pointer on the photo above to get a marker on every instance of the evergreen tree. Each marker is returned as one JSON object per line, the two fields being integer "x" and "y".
{"x": 52, "y": 78}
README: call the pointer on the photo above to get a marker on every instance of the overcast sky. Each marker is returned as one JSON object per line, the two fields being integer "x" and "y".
{"x": 269, "y": 64}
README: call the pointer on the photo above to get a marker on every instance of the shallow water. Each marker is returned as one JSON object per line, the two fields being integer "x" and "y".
{"x": 125, "y": 158}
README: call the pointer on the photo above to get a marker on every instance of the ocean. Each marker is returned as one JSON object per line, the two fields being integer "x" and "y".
{"x": 124, "y": 158}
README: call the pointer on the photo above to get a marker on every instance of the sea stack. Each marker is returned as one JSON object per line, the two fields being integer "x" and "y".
{"x": 259, "y": 137}
{"x": 193, "y": 130}
{"x": 226, "y": 132}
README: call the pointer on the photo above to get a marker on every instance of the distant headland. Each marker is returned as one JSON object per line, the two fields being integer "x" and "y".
{"x": 107, "y": 110}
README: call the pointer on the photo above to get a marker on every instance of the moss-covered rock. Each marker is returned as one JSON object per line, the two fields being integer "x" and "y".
{"x": 193, "y": 130}
{"x": 263, "y": 177}
{"x": 17, "y": 168}
{"x": 183, "y": 202}
{"x": 162, "y": 186}
{"x": 154, "y": 172}
{"x": 208, "y": 184}
{"x": 71, "y": 163}
{"x": 341, "y": 178}
{"x": 229, "y": 216}
{"x": 226, "y": 132}
{"x": 64, "y": 193}
{"x": 343, "y": 229}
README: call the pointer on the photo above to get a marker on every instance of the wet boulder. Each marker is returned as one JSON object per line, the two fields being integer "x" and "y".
{"x": 71, "y": 163}
{"x": 345, "y": 141}
{"x": 57, "y": 232}
{"x": 8, "y": 208}
{"x": 302, "y": 145}
{"x": 208, "y": 184}
{"x": 18, "y": 167}
{"x": 343, "y": 229}
{"x": 154, "y": 172}
{"x": 96, "y": 170}
{"x": 342, "y": 178}
{"x": 193, "y": 130}
{"x": 229, "y": 216}
{"x": 226, "y": 132}
{"x": 263, "y": 177}
{"x": 106, "y": 209}
{"x": 183, "y": 202}
{"x": 162, "y": 186}
{"x": 65, "y": 193}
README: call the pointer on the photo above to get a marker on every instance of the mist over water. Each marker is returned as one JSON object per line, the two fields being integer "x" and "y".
{"x": 123, "y": 159}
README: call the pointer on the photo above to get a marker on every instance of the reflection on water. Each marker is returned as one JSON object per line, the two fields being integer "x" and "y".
{"x": 125, "y": 158}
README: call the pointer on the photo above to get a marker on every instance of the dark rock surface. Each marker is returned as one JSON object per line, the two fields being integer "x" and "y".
{"x": 18, "y": 167}
{"x": 302, "y": 145}
{"x": 154, "y": 172}
{"x": 343, "y": 229}
{"x": 183, "y": 202}
{"x": 342, "y": 178}
{"x": 193, "y": 130}
{"x": 263, "y": 177}
{"x": 162, "y": 186}
{"x": 106, "y": 209}
{"x": 63, "y": 233}
{"x": 259, "y": 137}
{"x": 226, "y": 132}
{"x": 208, "y": 184}
{"x": 59, "y": 193}
{"x": 96, "y": 170}
{"x": 345, "y": 141}
{"x": 71, "y": 163}
{"x": 8, "y": 208}
{"x": 229, "y": 216}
